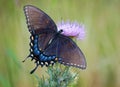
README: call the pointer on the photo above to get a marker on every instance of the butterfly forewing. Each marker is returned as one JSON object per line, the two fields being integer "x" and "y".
{"x": 67, "y": 51}
{"x": 41, "y": 24}
{"x": 37, "y": 20}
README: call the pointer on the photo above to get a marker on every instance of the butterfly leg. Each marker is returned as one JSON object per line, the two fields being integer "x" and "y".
{"x": 25, "y": 59}
{"x": 34, "y": 69}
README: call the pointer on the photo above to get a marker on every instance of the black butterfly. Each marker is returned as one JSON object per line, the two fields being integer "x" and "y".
{"x": 47, "y": 44}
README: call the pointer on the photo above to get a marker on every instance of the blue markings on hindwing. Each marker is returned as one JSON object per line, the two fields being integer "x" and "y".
{"x": 38, "y": 55}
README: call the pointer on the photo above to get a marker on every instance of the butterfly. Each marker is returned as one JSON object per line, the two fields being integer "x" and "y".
{"x": 47, "y": 44}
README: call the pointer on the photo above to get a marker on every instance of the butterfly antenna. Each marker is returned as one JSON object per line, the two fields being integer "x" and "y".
{"x": 34, "y": 69}
{"x": 61, "y": 20}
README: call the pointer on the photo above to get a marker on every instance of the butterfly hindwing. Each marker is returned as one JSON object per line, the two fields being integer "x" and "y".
{"x": 44, "y": 40}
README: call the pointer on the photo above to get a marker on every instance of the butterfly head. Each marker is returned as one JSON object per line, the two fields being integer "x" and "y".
{"x": 60, "y": 31}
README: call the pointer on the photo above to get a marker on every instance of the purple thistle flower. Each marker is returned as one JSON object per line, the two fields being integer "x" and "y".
{"x": 73, "y": 29}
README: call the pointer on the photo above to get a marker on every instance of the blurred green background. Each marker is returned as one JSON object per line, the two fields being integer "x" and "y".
{"x": 101, "y": 45}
